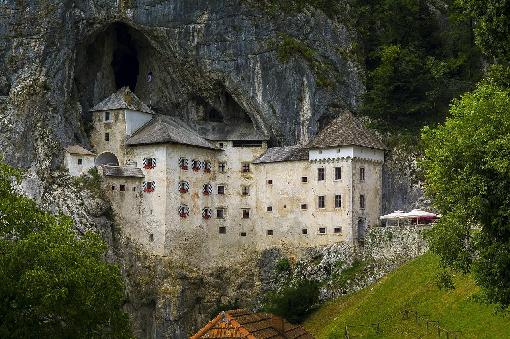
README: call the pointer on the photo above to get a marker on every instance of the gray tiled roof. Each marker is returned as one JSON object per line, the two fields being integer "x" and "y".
{"x": 279, "y": 154}
{"x": 346, "y": 130}
{"x": 168, "y": 129}
{"x": 218, "y": 131}
{"x": 122, "y": 171}
{"x": 77, "y": 149}
{"x": 122, "y": 99}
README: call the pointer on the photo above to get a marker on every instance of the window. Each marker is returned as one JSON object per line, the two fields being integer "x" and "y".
{"x": 243, "y": 234}
{"x": 337, "y": 230}
{"x": 320, "y": 173}
{"x": 183, "y": 164}
{"x": 134, "y": 189}
{"x": 220, "y": 213}
{"x": 107, "y": 137}
{"x": 80, "y": 161}
{"x": 246, "y": 213}
{"x": 222, "y": 166}
{"x": 304, "y": 179}
{"x": 107, "y": 117}
{"x": 322, "y": 230}
{"x": 245, "y": 167}
{"x": 362, "y": 201}
{"x": 338, "y": 201}
{"x": 149, "y": 163}
{"x": 362, "y": 174}
{"x": 149, "y": 186}
{"x": 196, "y": 165}
{"x": 207, "y": 166}
{"x": 183, "y": 187}
{"x": 270, "y": 182}
{"x": 151, "y": 237}
{"x": 245, "y": 190}
{"x": 221, "y": 189}
{"x": 322, "y": 201}
{"x": 222, "y": 230}
{"x": 338, "y": 173}
{"x": 304, "y": 231}
{"x": 269, "y": 232}
{"x": 113, "y": 187}
{"x": 304, "y": 206}
{"x": 122, "y": 188}
{"x": 206, "y": 213}
{"x": 183, "y": 211}
{"x": 269, "y": 208}
{"x": 207, "y": 189}
{"x": 221, "y": 145}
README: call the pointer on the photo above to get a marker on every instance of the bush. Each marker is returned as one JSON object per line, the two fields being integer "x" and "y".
{"x": 283, "y": 265}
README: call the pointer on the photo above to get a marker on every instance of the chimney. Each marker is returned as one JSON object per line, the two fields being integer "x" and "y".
{"x": 278, "y": 324}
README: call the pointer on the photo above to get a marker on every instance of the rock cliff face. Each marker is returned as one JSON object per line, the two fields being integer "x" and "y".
{"x": 60, "y": 58}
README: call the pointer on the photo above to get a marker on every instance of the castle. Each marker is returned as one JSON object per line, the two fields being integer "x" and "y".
{"x": 211, "y": 188}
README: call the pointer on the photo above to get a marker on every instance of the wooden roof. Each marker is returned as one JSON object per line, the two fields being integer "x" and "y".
{"x": 286, "y": 153}
{"x": 79, "y": 150}
{"x": 346, "y": 130}
{"x": 122, "y": 171}
{"x": 122, "y": 99}
{"x": 245, "y": 324}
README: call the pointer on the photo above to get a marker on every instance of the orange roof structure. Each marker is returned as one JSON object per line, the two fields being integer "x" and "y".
{"x": 248, "y": 325}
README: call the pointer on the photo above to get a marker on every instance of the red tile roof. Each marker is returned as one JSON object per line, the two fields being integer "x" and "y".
{"x": 245, "y": 324}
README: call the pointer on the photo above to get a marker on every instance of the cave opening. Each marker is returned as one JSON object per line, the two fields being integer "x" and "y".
{"x": 125, "y": 62}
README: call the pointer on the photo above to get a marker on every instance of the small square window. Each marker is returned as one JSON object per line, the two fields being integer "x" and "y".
{"x": 322, "y": 201}
{"x": 107, "y": 137}
{"x": 246, "y": 190}
{"x": 221, "y": 189}
{"x": 222, "y": 230}
{"x": 222, "y": 167}
{"x": 338, "y": 230}
{"x": 304, "y": 231}
{"x": 221, "y": 145}
{"x": 246, "y": 213}
{"x": 322, "y": 230}
{"x": 220, "y": 213}
{"x": 269, "y": 232}
{"x": 243, "y": 234}
{"x": 269, "y": 208}
{"x": 122, "y": 188}
{"x": 113, "y": 187}
{"x": 304, "y": 179}
{"x": 304, "y": 206}
{"x": 270, "y": 182}
{"x": 245, "y": 167}
{"x": 107, "y": 117}
{"x": 320, "y": 174}
{"x": 338, "y": 173}
{"x": 80, "y": 161}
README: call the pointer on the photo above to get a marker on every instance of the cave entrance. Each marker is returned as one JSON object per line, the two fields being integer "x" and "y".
{"x": 125, "y": 62}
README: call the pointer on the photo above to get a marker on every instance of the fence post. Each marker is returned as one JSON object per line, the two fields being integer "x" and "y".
{"x": 346, "y": 333}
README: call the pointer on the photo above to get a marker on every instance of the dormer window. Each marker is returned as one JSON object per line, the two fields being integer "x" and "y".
{"x": 207, "y": 166}
{"x": 183, "y": 187}
{"x": 107, "y": 117}
{"x": 183, "y": 164}
{"x": 183, "y": 211}
{"x": 196, "y": 165}
{"x": 206, "y": 213}
{"x": 149, "y": 163}
{"x": 207, "y": 189}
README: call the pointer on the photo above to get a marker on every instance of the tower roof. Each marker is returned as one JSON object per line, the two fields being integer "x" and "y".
{"x": 346, "y": 130}
{"x": 122, "y": 99}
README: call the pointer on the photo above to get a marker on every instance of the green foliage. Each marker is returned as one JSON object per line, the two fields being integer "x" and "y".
{"x": 467, "y": 171}
{"x": 411, "y": 286}
{"x": 54, "y": 284}
{"x": 444, "y": 280}
{"x": 330, "y": 7}
{"x": 351, "y": 273}
{"x": 294, "y": 303}
{"x": 283, "y": 266}
{"x": 233, "y": 305}
{"x": 492, "y": 26}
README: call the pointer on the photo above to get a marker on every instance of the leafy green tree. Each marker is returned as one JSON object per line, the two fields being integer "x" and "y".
{"x": 53, "y": 284}
{"x": 467, "y": 170}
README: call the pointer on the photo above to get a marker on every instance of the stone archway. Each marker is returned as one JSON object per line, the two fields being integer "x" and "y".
{"x": 106, "y": 158}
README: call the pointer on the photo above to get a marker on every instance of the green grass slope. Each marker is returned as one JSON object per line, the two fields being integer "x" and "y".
{"x": 412, "y": 286}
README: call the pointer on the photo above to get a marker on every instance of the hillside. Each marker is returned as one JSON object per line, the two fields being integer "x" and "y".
{"x": 410, "y": 287}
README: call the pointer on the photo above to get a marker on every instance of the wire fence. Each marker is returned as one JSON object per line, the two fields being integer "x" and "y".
{"x": 407, "y": 323}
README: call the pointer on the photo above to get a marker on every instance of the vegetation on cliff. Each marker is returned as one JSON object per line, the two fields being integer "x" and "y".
{"x": 53, "y": 283}
{"x": 413, "y": 287}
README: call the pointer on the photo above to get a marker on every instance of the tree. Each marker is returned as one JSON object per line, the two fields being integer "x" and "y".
{"x": 467, "y": 171}
{"x": 53, "y": 284}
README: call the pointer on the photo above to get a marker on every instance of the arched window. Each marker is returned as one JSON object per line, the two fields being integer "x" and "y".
{"x": 206, "y": 213}
{"x": 183, "y": 211}
{"x": 196, "y": 165}
{"x": 149, "y": 186}
{"x": 183, "y": 163}
{"x": 149, "y": 163}
{"x": 107, "y": 159}
{"x": 207, "y": 189}
{"x": 183, "y": 186}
